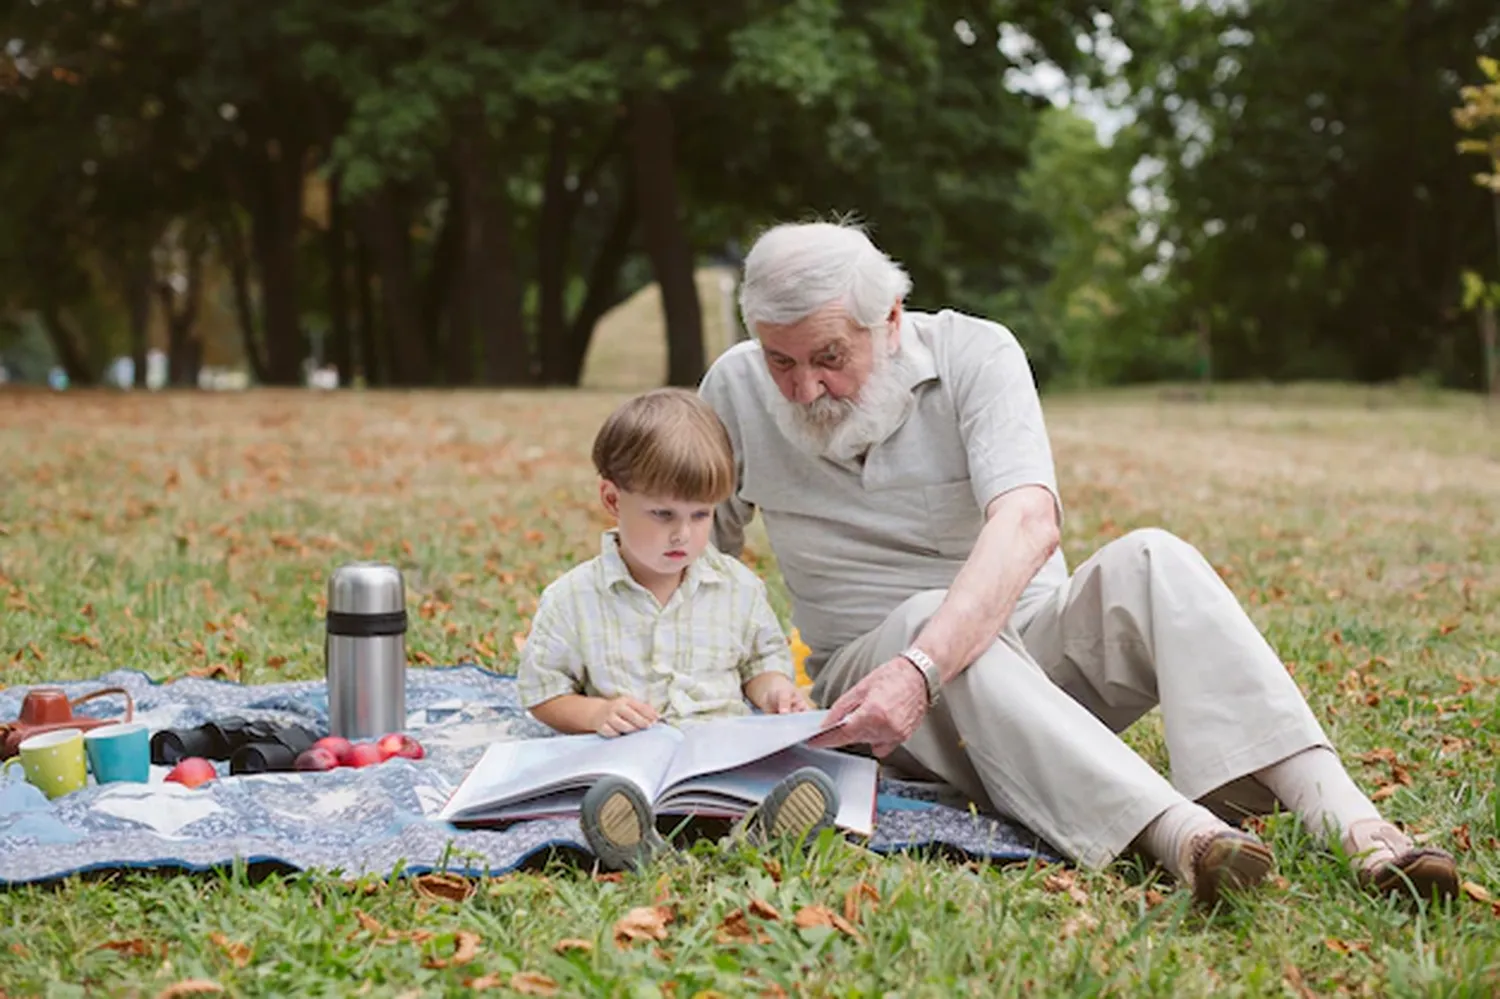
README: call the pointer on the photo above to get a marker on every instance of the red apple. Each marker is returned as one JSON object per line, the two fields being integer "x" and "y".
{"x": 192, "y": 771}
{"x": 337, "y": 745}
{"x": 317, "y": 758}
{"x": 400, "y": 744}
{"x": 363, "y": 754}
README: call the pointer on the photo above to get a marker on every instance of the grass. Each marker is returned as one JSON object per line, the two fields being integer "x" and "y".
{"x": 179, "y": 533}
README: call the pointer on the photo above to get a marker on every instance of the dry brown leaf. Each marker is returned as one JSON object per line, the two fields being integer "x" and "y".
{"x": 772, "y": 867}
{"x": 764, "y": 910}
{"x": 212, "y": 671}
{"x": 135, "y": 947}
{"x": 1385, "y": 791}
{"x": 237, "y": 952}
{"x": 1294, "y": 979}
{"x": 533, "y": 983}
{"x": 1461, "y": 838}
{"x": 443, "y": 886}
{"x": 572, "y": 943}
{"x": 372, "y": 925}
{"x": 855, "y": 897}
{"x": 490, "y": 981}
{"x": 1064, "y": 881}
{"x": 276, "y": 662}
{"x": 645, "y": 922}
{"x": 1346, "y": 946}
{"x": 190, "y": 987}
{"x": 821, "y": 915}
{"x": 465, "y": 949}
{"x": 1475, "y": 891}
{"x": 1153, "y": 898}
{"x": 773, "y": 991}
{"x": 1079, "y": 923}
{"x": 1384, "y": 754}
{"x": 88, "y": 640}
{"x": 736, "y": 929}
{"x": 610, "y": 877}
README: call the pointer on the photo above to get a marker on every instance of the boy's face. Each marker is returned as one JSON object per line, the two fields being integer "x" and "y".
{"x": 660, "y": 536}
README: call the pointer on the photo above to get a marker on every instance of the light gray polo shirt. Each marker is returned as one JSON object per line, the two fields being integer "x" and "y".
{"x": 854, "y": 541}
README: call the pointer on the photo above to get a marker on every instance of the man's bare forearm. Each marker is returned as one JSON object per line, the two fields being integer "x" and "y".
{"x": 1021, "y": 533}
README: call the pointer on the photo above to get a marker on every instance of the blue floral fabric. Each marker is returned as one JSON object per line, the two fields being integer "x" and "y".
{"x": 354, "y": 822}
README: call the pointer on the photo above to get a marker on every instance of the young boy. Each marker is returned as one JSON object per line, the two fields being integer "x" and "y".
{"x": 660, "y": 626}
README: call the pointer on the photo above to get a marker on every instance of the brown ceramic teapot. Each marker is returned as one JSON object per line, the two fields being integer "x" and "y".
{"x": 46, "y": 709}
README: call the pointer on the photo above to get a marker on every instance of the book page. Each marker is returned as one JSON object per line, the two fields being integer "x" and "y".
{"x": 511, "y": 773}
{"x": 726, "y": 743}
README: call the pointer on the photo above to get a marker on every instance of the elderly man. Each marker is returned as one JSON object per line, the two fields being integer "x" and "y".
{"x": 902, "y": 468}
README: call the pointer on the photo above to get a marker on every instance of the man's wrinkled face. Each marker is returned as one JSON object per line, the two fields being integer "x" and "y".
{"x": 842, "y": 387}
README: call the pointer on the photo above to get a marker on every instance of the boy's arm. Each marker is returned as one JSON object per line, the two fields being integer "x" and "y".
{"x": 766, "y": 670}
{"x": 575, "y": 714}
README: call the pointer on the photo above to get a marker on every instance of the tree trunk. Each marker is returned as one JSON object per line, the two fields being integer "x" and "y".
{"x": 493, "y": 292}
{"x": 437, "y": 287}
{"x": 665, "y": 237}
{"x": 341, "y": 349}
{"x": 138, "y": 306}
{"x": 458, "y": 349}
{"x": 1487, "y": 337}
{"x": 70, "y": 354}
{"x": 554, "y": 223}
{"x": 184, "y": 349}
{"x": 603, "y": 287}
{"x": 369, "y": 352}
{"x": 276, "y": 217}
{"x": 390, "y": 248}
{"x": 232, "y": 241}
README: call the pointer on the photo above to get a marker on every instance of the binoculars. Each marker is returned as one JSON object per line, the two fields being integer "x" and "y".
{"x": 251, "y": 747}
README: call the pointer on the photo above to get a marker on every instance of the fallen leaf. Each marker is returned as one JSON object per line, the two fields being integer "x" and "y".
{"x": 610, "y": 877}
{"x": 134, "y": 947}
{"x": 772, "y": 867}
{"x": 1294, "y": 979}
{"x": 1153, "y": 898}
{"x": 736, "y": 929}
{"x": 490, "y": 981}
{"x": 1461, "y": 838}
{"x": 1063, "y": 881}
{"x": 821, "y": 915}
{"x": 370, "y": 923}
{"x": 212, "y": 671}
{"x": 773, "y": 991}
{"x": 1079, "y": 923}
{"x": 646, "y": 922}
{"x": 443, "y": 886}
{"x": 855, "y": 897}
{"x": 533, "y": 983}
{"x": 276, "y": 662}
{"x": 465, "y": 949}
{"x": 1475, "y": 891}
{"x": 1346, "y": 946}
{"x": 764, "y": 910}
{"x": 572, "y": 943}
{"x": 190, "y": 987}
{"x": 420, "y": 658}
{"x": 1385, "y": 791}
{"x": 237, "y": 952}
{"x": 88, "y": 640}
{"x": 19, "y": 949}
{"x": 88, "y": 611}
{"x": 1384, "y": 754}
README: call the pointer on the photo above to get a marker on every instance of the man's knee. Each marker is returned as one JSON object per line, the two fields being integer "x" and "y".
{"x": 1158, "y": 544}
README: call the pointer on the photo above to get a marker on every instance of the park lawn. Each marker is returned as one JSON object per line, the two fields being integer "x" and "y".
{"x": 184, "y": 533}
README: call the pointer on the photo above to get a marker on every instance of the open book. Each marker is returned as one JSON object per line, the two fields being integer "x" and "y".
{"x": 721, "y": 768}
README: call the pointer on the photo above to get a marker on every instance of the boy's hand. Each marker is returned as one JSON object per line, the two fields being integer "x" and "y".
{"x": 622, "y": 715}
{"x": 777, "y": 695}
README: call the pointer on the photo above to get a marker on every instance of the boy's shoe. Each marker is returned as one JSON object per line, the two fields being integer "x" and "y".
{"x": 801, "y": 805}
{"x": 619, "y": 825}
{"x": 1388, "y": 862}
{"x": 1225, "y": 859}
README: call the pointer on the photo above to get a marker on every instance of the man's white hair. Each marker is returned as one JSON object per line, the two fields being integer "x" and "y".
{"x": 796, "y": 269}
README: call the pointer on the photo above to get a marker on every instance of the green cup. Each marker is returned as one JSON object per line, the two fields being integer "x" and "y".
{"x": 53, "y": 761}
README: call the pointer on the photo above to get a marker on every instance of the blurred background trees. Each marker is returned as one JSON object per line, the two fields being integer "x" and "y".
{"x": 455, "y": 192}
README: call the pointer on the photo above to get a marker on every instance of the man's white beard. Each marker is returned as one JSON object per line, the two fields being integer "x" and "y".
{"x": 845, "y": 428}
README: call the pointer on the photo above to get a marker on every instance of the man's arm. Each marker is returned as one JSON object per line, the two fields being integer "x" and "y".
{"x": 1019, "y": 535}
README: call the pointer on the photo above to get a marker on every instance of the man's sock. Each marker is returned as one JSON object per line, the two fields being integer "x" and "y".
{"x": 1168, "y": 835}
{"x": 1315, "y": 785}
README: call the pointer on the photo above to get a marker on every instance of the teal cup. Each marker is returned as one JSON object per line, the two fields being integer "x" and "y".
{"x": 119, "y": 752}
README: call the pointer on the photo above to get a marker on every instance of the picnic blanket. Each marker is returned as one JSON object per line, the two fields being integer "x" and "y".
{"x": 371, "y": 821}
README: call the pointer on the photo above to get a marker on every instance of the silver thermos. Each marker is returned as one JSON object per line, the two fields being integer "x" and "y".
{"x": 365, "y": 651}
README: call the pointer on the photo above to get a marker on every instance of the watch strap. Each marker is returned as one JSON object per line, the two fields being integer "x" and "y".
{"x": 931, "y": 675}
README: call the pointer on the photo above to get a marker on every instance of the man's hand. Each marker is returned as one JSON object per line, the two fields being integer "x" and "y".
{"x": 882, "y": 710}
{"x": 622, "y": 715}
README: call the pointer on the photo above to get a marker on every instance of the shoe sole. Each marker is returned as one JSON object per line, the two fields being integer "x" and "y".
{"x": 1423, "y": 873}
{"x": 617, "y": 823}
{"x": 801, "y": 805}
{"x": 1230, "y": 864}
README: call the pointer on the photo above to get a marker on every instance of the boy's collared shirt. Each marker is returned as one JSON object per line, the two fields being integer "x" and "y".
{"x": 598, "y": 632}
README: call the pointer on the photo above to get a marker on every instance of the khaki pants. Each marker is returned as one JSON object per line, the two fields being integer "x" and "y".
{"x": 1030, "y": 728}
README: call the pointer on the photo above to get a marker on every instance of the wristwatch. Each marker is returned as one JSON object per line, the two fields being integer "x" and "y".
{"x": 929, "y": 670}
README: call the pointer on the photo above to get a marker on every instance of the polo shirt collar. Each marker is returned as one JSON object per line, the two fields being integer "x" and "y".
{"x": 616, "y": 571}
{"x": 920, "y": 365}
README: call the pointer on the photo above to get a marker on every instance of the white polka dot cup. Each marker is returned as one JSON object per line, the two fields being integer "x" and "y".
{"x": 53, "y": 761}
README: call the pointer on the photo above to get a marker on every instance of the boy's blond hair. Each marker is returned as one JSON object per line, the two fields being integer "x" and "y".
{"x": 669, "y": 443}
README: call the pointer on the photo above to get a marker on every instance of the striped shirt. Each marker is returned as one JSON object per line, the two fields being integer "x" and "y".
{"x": 598, "y": 632}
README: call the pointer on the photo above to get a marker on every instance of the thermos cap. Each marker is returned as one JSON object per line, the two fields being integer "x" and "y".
{"x": 366, "y": 588}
